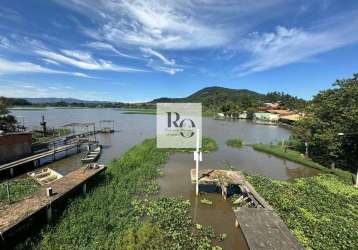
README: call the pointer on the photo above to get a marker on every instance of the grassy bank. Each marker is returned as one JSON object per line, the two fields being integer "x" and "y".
{"x": 19, "y": 189}
{"x": 321, "y": 211}
{"x": 118, "y": 214}
{"x": 236, "y": 143}
{"x": 298, "y": 158}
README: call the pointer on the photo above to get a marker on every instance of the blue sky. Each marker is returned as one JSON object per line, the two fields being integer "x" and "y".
{"x": 139, "y": 50}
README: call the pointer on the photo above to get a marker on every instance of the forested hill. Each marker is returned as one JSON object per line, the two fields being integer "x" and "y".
{"x": 14, "y": 101}
{"x": 216, "y": 97}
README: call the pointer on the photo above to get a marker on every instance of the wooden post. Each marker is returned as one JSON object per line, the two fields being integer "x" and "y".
{"x": 49, "y": 213}
{"x": 11, "y": 172}
{"x": 8, "y": 191}
{"x": 84, "y": 188}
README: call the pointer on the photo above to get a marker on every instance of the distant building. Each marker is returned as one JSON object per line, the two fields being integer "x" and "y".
{"x": 266, "y": 118}
{"x": 243, "y": 115}
{"x": 14, "y": 146}
{"x": 290, "y": 119}
{"x": 281, "y": 112}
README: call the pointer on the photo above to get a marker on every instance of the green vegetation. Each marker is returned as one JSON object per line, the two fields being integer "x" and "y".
{"x": 321, "y": 211}
{"x": 234, "y": 101}
{"x": 140, "y": 111}
{"x": 119, "y": 215}
{"x": 236, "y": 143}
{"x": 297, "y": 157}
{"x": 19, "y": 189}
{"x": 15, "y": 101}
{"x": 7, "y": 121}
{"x": 209, "y": 145}
{"x": 27, "y": 109}
{"x": 331, "y": 125}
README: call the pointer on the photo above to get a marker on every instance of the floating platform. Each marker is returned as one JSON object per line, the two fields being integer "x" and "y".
{"x": 260, "y": 224}
{"x": 11, "y": 216}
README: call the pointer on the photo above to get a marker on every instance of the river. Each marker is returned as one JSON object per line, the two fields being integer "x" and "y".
{"x": 134, "y": 128}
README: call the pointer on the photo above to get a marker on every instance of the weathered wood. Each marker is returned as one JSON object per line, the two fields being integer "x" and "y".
{"x": 224, "y": 178}
{"x": 264, "y": 229}
{"x": 14, "y": 214}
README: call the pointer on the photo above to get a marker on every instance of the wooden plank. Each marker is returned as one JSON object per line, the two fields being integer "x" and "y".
{"x": 264, "y": 229}
{"x": 13, "y": 214}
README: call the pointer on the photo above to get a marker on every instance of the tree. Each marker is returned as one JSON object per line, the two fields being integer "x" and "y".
{"x": 7, "y": 121}
{"x": 331, "y": 124}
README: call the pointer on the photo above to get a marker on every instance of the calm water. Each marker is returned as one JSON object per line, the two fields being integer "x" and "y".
{"x": 176, "y": 182}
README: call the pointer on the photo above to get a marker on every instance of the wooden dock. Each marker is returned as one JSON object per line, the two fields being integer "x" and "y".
{"x": 11, "y": 216}
{"x": 36, "y": 157}
{"x": 260, "y": 224}
{"x": 263, "y": 229}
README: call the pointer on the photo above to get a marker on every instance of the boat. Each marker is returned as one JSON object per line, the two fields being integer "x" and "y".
{"x": 92, "y": 155}
{"x": 45, "y": 176}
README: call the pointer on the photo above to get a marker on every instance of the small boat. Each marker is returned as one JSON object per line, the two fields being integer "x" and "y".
{"x": 92, "y": 155}
{"x": 45, "y": 176}
{"x": 107, "y": 130}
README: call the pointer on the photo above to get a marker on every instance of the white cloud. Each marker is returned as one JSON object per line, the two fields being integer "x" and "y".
{"x": 35, "y": 90}
{"x": 83, "y": 60}
{"x": 4, "y": 43}
{"x": 151, "y": 23}
{"x": 291, "y": 45}
{"x": 10, "y": 67}
{"x": 166, "y": 61}
{"x": 50, "y": 61}
{"x": 109, "y": 47}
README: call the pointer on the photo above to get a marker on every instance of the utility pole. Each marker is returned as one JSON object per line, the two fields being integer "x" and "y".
{"x": 43, "y": 124}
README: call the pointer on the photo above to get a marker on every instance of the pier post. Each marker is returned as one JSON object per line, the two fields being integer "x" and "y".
{"x": 12, "y": 172}
{"x": 84, "y": 188}
{"x": 49, "y": 213}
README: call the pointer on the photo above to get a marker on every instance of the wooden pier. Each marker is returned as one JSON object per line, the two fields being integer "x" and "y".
{"x": 36, "y": 157}
{"x": 14, "y": 215}
{"x": 260, "y": 224}
{"x": 264, "y": 229}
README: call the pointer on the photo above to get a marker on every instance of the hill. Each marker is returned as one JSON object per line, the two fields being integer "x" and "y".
{"x": 51, "y": 100}
{"x": 217, "y": 96}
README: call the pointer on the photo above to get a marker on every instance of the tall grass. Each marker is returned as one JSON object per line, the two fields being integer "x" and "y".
{"x": 18, "y": 189}
{"x": 119, "y": 214}
{"x": 321, "y": 211}
{"x": 236, "y": 143}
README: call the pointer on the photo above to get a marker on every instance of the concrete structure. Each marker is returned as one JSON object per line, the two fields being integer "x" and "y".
{"x": 14, "y": 146}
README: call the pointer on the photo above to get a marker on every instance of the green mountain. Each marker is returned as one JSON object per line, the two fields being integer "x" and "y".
{"x": 213, "y": 97}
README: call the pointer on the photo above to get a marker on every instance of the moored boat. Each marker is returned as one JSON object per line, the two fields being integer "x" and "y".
{"x": 45, "y": 176}
{"x": 92, "y": 155}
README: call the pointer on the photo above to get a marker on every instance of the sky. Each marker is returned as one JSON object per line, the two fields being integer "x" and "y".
{"x": 134, "y": 51}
